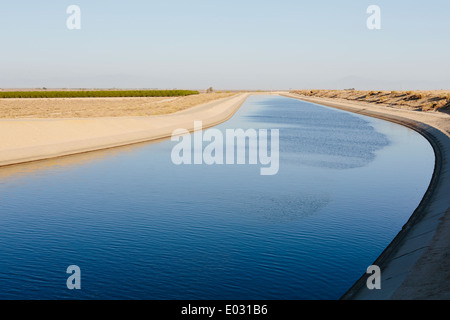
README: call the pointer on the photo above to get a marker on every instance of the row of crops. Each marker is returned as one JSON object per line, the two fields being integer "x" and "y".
{"x": 96, "y": 93}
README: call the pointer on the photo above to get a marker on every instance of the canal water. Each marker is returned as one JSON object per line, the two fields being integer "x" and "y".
{"x": 140, "y": 227}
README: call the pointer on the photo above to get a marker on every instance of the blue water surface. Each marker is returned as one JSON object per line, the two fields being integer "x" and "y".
{"x": 141, "y": 227}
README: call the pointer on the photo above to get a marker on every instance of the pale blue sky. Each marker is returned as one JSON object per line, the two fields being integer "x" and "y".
{"x": 246, "y": 44}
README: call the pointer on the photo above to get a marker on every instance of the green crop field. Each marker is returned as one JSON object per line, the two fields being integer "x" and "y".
{"x": 96, "y": 93}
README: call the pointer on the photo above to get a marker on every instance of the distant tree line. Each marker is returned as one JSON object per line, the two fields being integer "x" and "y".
{"x": 96, "y": 93}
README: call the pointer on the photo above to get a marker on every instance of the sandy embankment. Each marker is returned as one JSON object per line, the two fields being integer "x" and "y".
{"x": 418, "y": 100}
{"x": 24, "y": 140}
{"x": 101, "y": 107}
{"x": 416, "y": 265}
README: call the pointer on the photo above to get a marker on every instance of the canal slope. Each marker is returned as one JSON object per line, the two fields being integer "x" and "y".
{"x": 37, "y": 139}
{"x": 416, "y": 263}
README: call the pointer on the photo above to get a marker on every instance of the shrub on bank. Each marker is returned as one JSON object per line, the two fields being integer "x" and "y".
{"x": 415, "y": 96}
